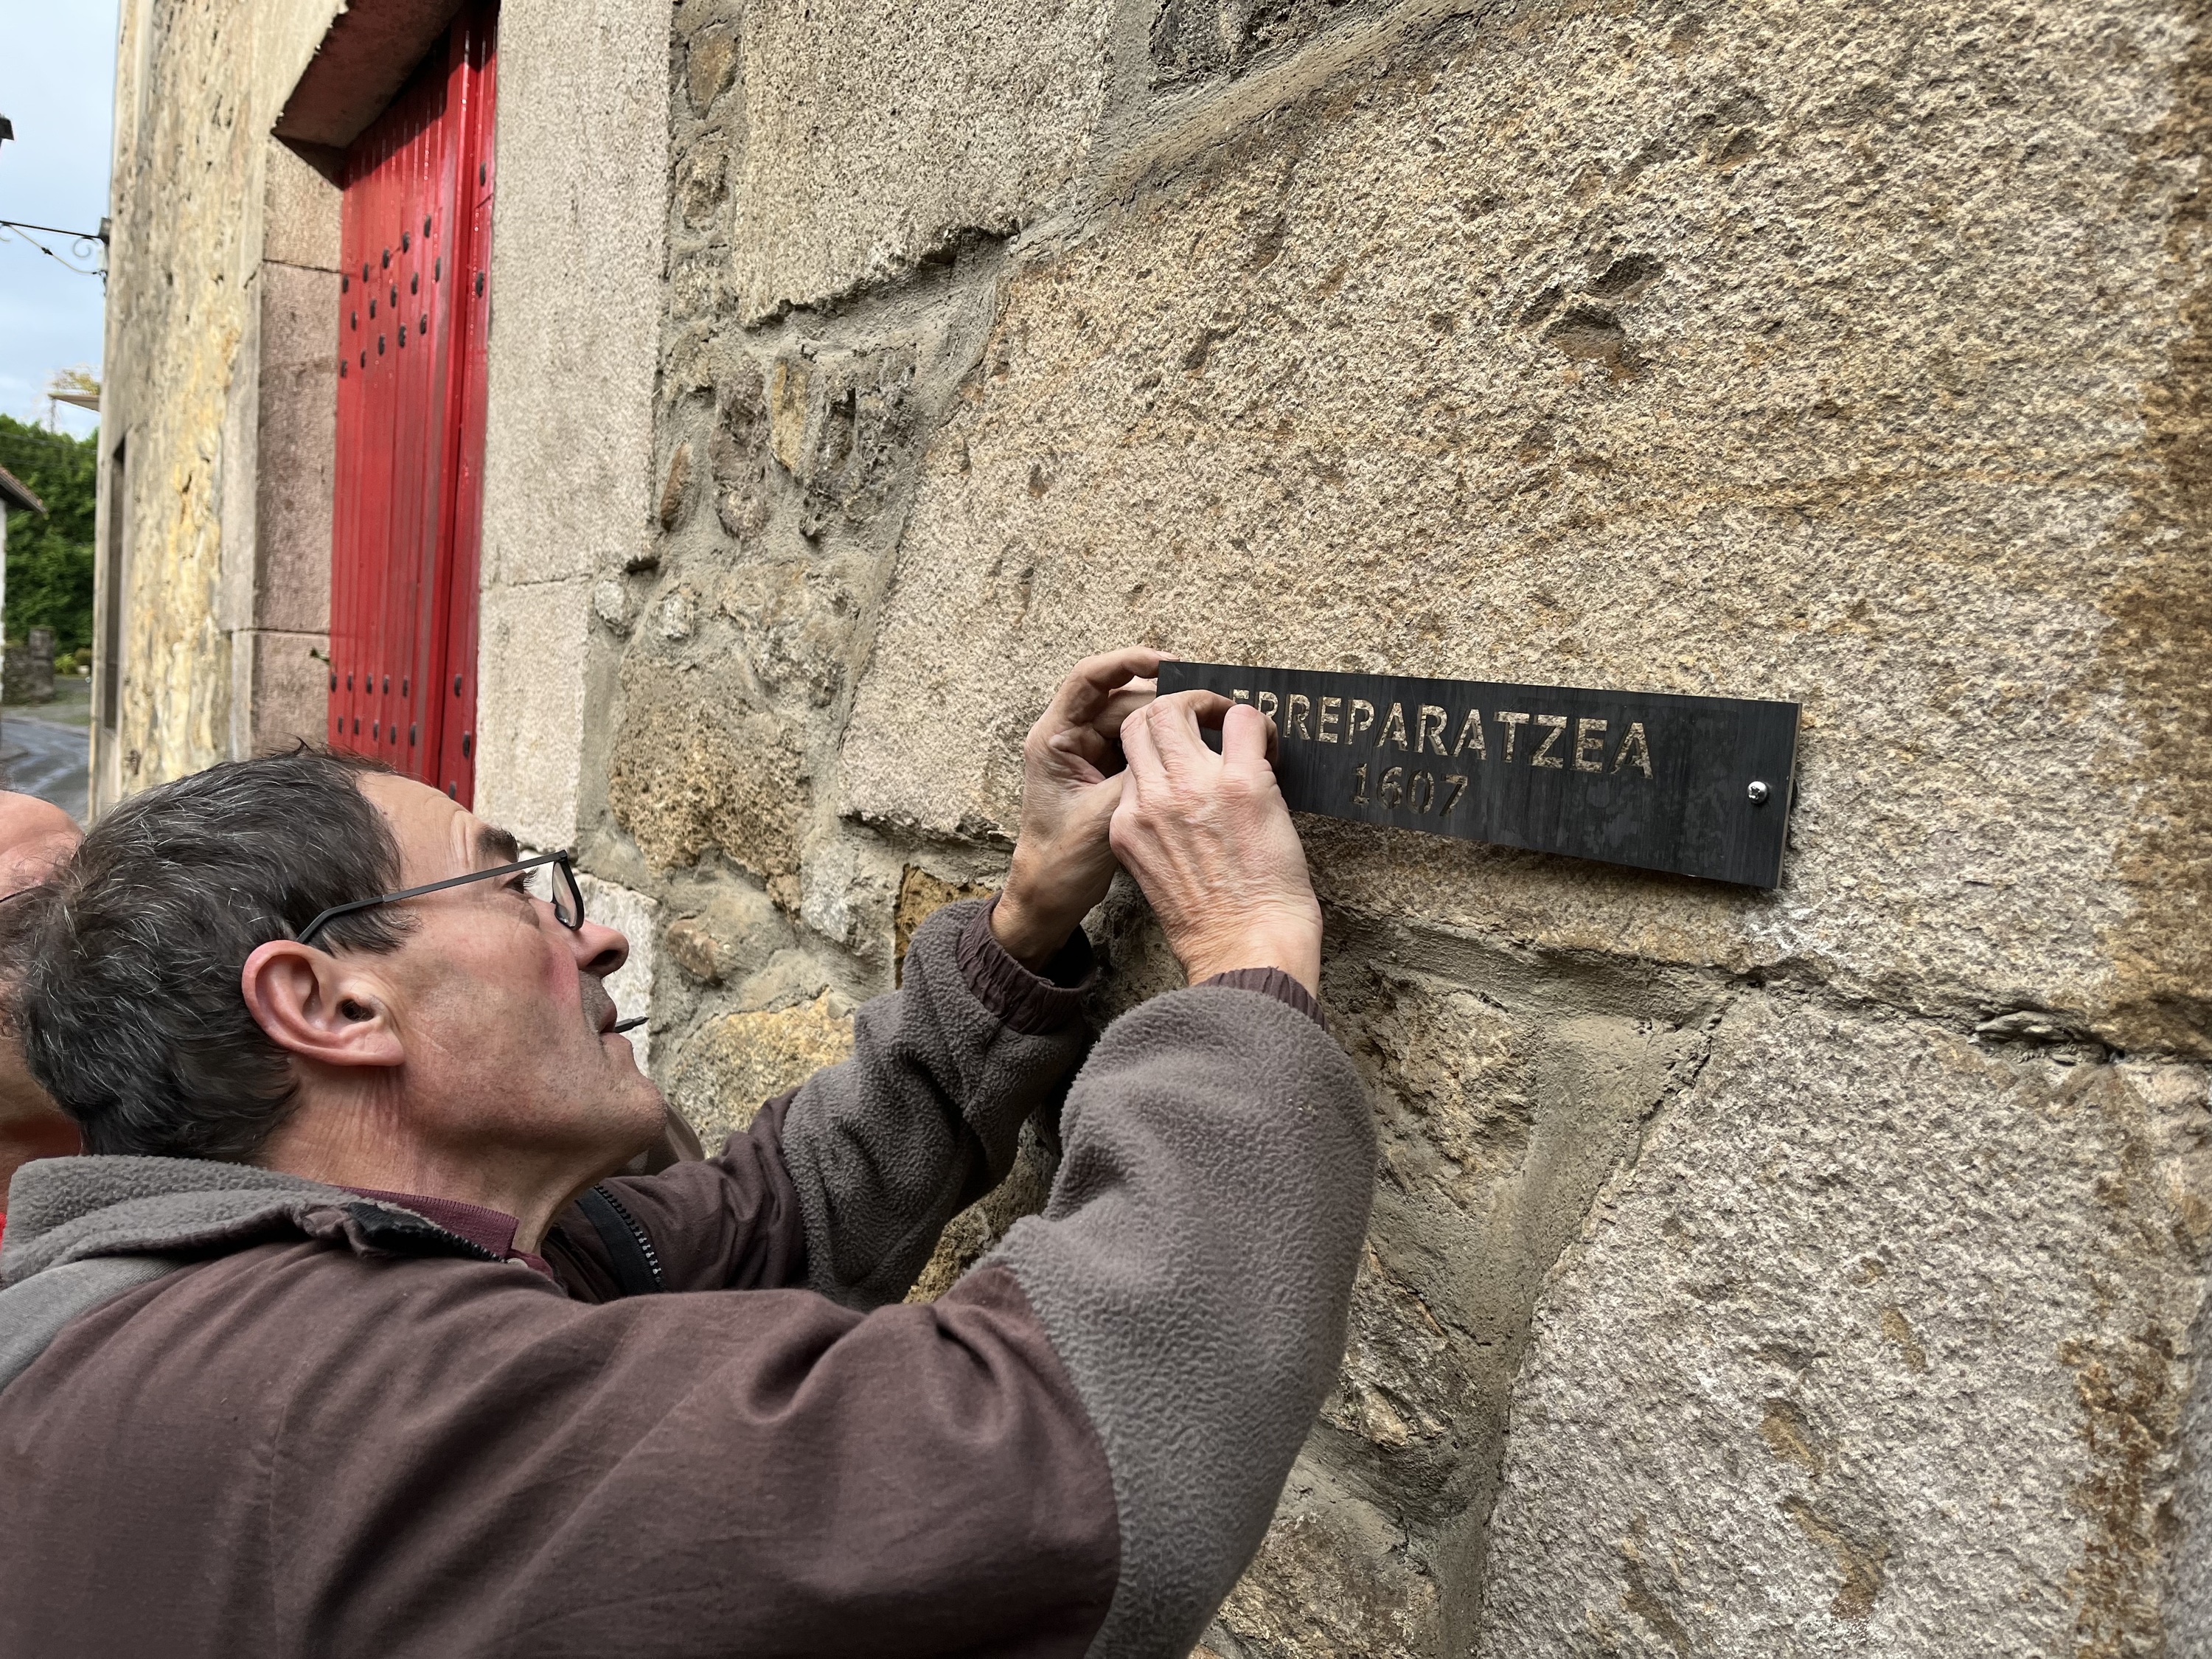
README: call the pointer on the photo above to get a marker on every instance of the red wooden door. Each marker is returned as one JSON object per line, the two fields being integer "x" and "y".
{"x": 414, "y": 302}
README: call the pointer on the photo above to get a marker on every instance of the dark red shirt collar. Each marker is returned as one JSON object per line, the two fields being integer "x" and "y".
{"x": 492, "y": 1230}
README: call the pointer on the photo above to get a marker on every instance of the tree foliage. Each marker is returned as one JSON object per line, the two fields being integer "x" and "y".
{"x": 50, "y": 553}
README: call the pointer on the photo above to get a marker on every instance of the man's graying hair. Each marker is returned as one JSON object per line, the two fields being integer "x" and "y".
{"x": 130, "y": 1009}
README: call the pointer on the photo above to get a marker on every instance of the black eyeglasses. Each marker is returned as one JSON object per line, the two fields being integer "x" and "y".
{"x": 568, "y": 898}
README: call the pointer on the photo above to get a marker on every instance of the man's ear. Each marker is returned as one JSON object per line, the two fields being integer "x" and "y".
{"x": 310, "y": 1004}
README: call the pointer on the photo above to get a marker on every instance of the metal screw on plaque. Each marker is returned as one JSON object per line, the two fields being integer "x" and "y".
{"x": 1759, "y": 793}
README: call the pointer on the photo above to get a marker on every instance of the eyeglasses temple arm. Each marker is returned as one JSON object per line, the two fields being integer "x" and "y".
{"x": 307, "y": 934}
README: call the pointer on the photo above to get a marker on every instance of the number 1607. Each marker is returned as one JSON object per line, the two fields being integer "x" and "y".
{"x": 1394, "y": 788}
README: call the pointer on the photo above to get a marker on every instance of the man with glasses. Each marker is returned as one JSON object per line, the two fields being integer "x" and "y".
{"x": 347, "y": 1337}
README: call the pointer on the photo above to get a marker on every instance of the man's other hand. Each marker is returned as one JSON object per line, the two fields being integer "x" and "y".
{"x": 1071, "y": 782}
{"x": 1210, "y": 841}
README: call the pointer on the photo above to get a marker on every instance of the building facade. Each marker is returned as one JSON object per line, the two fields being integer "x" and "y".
{"x": 1819, "y": 1271}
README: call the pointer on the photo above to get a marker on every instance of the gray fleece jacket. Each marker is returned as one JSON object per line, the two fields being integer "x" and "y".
{"x": 242, "y": 1413}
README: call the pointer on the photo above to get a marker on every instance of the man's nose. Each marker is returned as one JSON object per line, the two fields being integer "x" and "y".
{"x": 600, "y": 951}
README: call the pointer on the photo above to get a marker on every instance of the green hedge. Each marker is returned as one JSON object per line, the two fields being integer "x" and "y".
{"x": 50, "y": 553}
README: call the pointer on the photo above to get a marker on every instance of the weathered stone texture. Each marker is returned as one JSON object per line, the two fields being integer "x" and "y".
{"x": 2158, "y": 646}
{"x": 531, "y": 652}
{"x": 295, "y": 444}
{"x": 734, "y": 1063}
{"x": 877, "y": 131}
{"x": 920, "y": 896}
{"x": 28, "y": 675}
{"x": 675, "y": 486}
{"x": 579, "y": 261}
{"x": 695, "y": 769}
{"x": 1820, "y": 1272}
{"x": 1772, "y": 357}
{"x": 1194, "y": 40}
{"x": 710, "y": 65}
{"x": 1881, "y": 1347}
{"x": 843, "y": 426}
{"x": 1505, "y": 1088}
{"x": 185, "y": 244}
{"x": 1332, "y": 1576}
{"x": 733, "y": 935}
{"x": 278, "y": 690}
{"x": 572, "y": 397}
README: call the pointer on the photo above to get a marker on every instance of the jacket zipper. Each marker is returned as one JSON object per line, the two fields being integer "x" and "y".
{"x": 644, "y": 1241}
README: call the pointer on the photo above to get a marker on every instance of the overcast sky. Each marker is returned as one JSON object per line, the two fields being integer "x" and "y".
{"x": 56, "y": 85}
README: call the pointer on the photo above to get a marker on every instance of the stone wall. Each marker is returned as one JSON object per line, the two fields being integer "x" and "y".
{"x": 28, "y": 674}
{"x": 176, "y": 316}
{"x": 220, "y": 388}
{"x": 577, "y": 274}
{"x": 1814, "y": 1271}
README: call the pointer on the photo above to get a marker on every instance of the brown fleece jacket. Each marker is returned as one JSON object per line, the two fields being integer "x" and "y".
{"x": 288, "y": 1420}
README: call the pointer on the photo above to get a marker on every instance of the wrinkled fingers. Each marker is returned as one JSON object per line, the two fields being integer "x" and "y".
{"x": 1248, "y": 738}
{"x": 1092, "y": 684}
{"x": 1173, "y": 724}
{"x": 1121, "y": 704}
{"x": 1082, "y": 742}
{"x": 1140, "y": 748}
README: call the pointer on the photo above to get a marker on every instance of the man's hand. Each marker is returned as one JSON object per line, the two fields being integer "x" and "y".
{"x": 1210, "y": 841}
{"x": 1070, "y": 781}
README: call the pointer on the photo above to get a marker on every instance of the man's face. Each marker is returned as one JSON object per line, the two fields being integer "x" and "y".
{"x": 502, "y": 1010}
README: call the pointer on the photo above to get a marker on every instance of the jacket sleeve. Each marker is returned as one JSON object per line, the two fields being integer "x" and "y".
{"x": 843, "y": 1184}
{"x": 1192, "y": 1271}
{"x": 884, "y": 1149}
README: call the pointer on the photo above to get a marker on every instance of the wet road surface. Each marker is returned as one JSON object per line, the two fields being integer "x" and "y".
{"x": 46, "y": 758}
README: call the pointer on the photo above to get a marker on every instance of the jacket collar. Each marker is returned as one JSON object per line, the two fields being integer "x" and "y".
{"x": 490, "y": 1230}
{"x": 69, "y": 1209}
